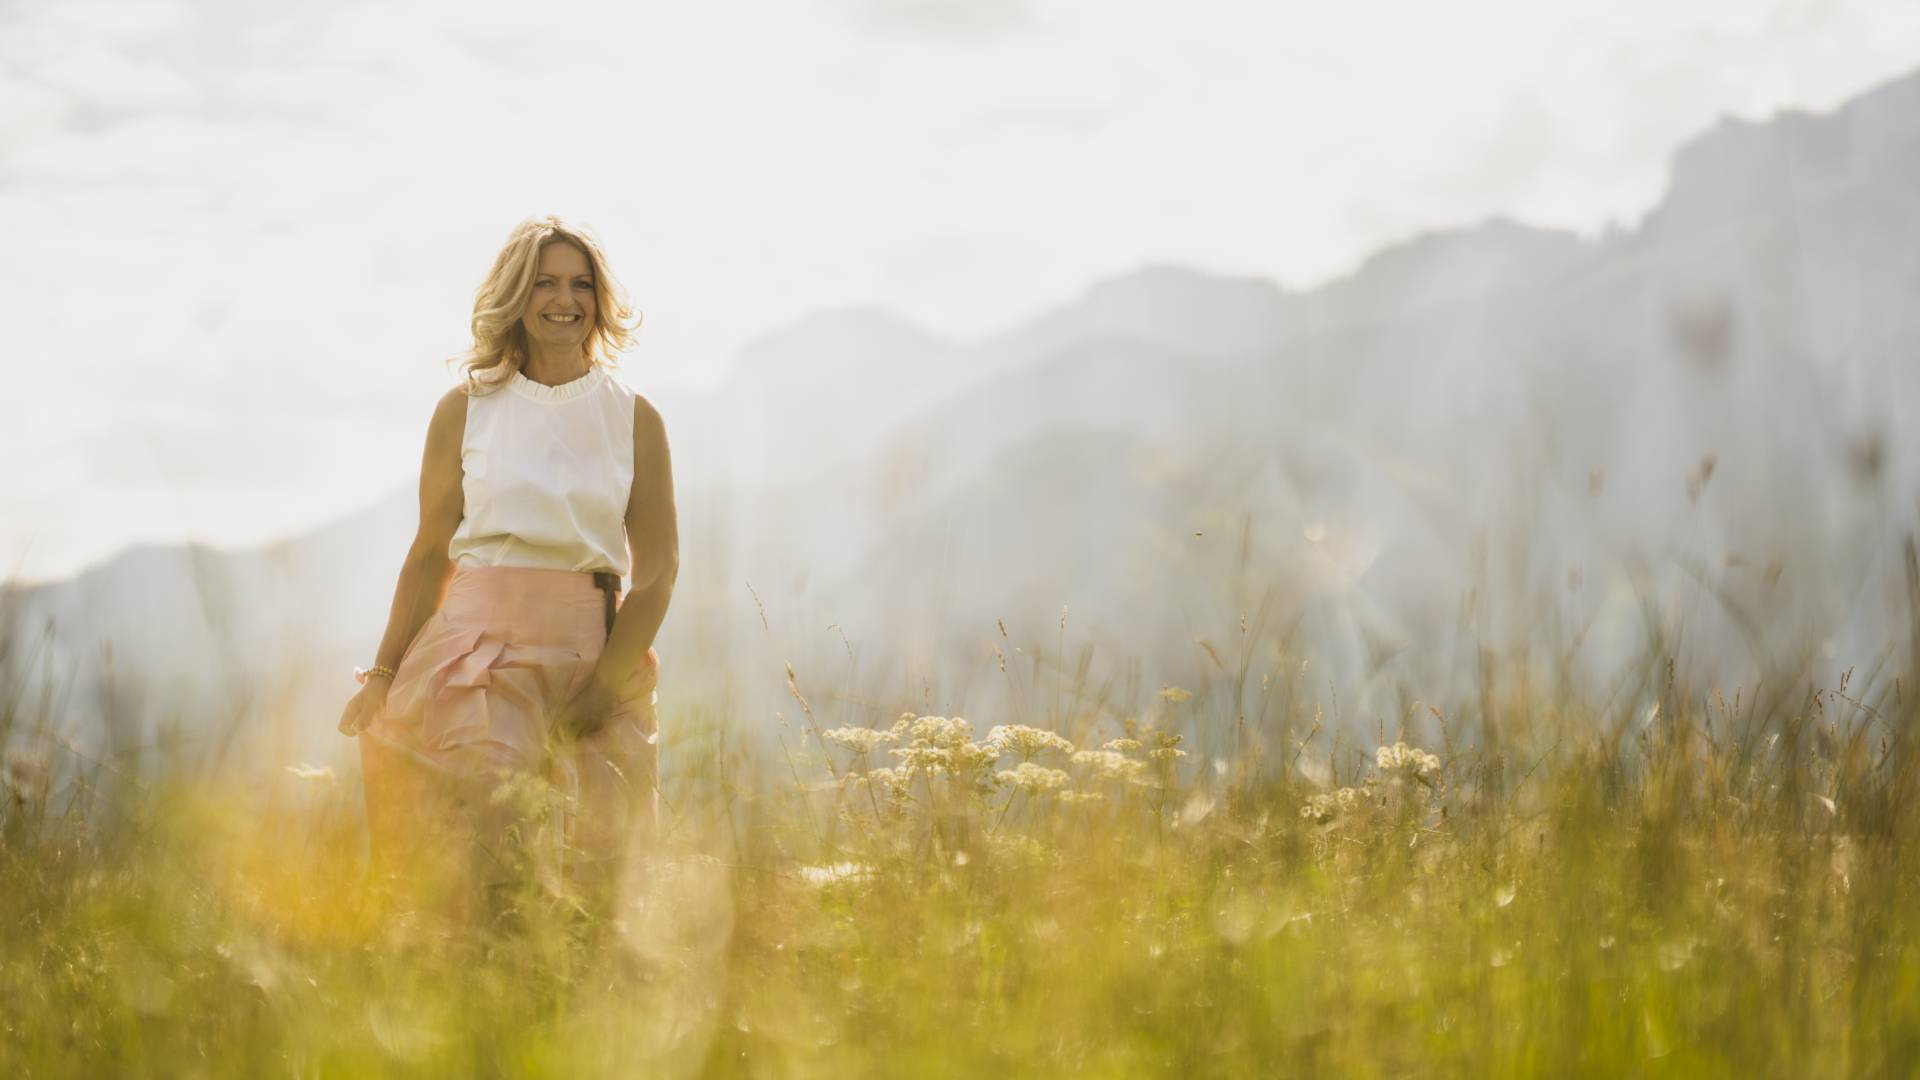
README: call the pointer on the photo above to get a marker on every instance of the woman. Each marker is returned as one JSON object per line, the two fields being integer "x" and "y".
{"x": 509, "y": 661}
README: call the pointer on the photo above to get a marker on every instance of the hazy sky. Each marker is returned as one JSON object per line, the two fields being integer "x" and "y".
{"x": 240, "y": 239}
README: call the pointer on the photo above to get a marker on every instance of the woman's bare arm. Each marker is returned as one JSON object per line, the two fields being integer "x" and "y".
{"x": 653, "y": 542}
{"x": 423, "y": 577}
{"x": 424, "y": 574}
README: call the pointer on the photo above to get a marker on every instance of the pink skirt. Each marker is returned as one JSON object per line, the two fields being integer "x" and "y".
{"x": 468, "y": 759}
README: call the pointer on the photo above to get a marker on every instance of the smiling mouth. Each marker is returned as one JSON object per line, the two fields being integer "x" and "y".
{"x": 560, "y": 318}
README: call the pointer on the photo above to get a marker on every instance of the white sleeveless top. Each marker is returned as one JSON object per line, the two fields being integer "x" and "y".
{"x": 546, "y": 471}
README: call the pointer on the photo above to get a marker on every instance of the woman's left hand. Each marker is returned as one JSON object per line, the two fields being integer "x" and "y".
{"x": 588, "y": 709}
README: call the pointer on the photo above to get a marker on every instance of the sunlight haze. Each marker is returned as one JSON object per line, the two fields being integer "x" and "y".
{"x": 241, "y": 242}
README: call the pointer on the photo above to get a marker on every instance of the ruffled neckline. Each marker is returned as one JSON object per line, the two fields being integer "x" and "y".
{"x": 566, "y": 391}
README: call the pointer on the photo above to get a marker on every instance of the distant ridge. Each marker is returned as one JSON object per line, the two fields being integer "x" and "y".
{"x": 1413, "y": 460}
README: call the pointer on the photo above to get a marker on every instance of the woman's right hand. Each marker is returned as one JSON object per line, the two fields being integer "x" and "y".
{"x": 367, "y": 707}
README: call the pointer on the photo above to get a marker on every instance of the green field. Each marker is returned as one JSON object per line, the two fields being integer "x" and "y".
{"x": 1706, "y": 887}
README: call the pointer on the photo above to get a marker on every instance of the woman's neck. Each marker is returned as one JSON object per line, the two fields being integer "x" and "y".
{"x": 552, "y": 368}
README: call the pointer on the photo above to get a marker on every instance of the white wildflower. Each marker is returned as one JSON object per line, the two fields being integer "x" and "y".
{"x": 1324, "y": 808}
{"x": 1110, "y": 764}
{"x": 941, "y": 731}
{"x": 1033, "y": 779}
{"x": 926, "y": 759}
{"x": 1405, "y": 760}
{"x": 1166, "y": 753}
{"x": 859, "y": 740}
{"x": 893, "y": 782}
{"x": 312, "y": 772}
{"x": 1122, "y": 746}
{"x": 1025, "y": 741}
{"x": 970, "y": 757}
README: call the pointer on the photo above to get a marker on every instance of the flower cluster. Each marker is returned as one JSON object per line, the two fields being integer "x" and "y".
{"x": 924, "y": 759}
{"x": 1110, "y": 764}
{"x": 1324, "y": 808}
{"x": 892, "y": 782}
{"x": 1025, "y": 741}
{"x": 859, "y": 740}
{"x": 936, "y": 746}
{"x": 938, "y": 731}
{"x": 1033, "y": 779}
{"x": 1406, "y": 761}
{"x": 935, "y": 742}
{"x": 939, "y": 745}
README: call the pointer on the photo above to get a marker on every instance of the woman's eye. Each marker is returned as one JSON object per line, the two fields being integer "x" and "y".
{"x": 583, "y": 284}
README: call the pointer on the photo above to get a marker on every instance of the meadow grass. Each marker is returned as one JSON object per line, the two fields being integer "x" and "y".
{"x": 1701, "y": 888}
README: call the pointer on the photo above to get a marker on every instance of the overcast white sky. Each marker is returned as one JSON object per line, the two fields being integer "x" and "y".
{"x": 242, "y": 238}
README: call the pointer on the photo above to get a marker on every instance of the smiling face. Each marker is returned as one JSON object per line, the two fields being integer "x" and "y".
{"x": 561, "y": 307}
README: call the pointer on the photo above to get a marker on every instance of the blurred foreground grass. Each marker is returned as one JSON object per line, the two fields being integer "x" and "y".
{"x": 1669, "y": 894}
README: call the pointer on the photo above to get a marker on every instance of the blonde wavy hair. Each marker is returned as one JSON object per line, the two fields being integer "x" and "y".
{"x": 500, "y": 342}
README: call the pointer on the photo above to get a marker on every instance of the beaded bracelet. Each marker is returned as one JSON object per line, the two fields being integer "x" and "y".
{"x": 360, "y": 674}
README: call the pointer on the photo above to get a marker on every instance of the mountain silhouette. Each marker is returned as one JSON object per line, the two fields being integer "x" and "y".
{"x": 1493, "y": 439}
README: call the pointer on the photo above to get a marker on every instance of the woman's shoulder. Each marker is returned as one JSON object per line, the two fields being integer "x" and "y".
{"x": 647, "y": 426}
{"x": 618, "y": 386}
{"x": 469, "y": 386}
{"x": 642, "y": 409}
{"x": 454, "y": 401}
{"x": 449, "y": 424}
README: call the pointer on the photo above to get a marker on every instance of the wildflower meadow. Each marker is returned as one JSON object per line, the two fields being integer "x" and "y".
{"x": 1699, "y": 886}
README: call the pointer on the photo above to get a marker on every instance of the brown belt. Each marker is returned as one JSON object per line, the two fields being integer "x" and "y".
{"x": 609, "y": 585}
